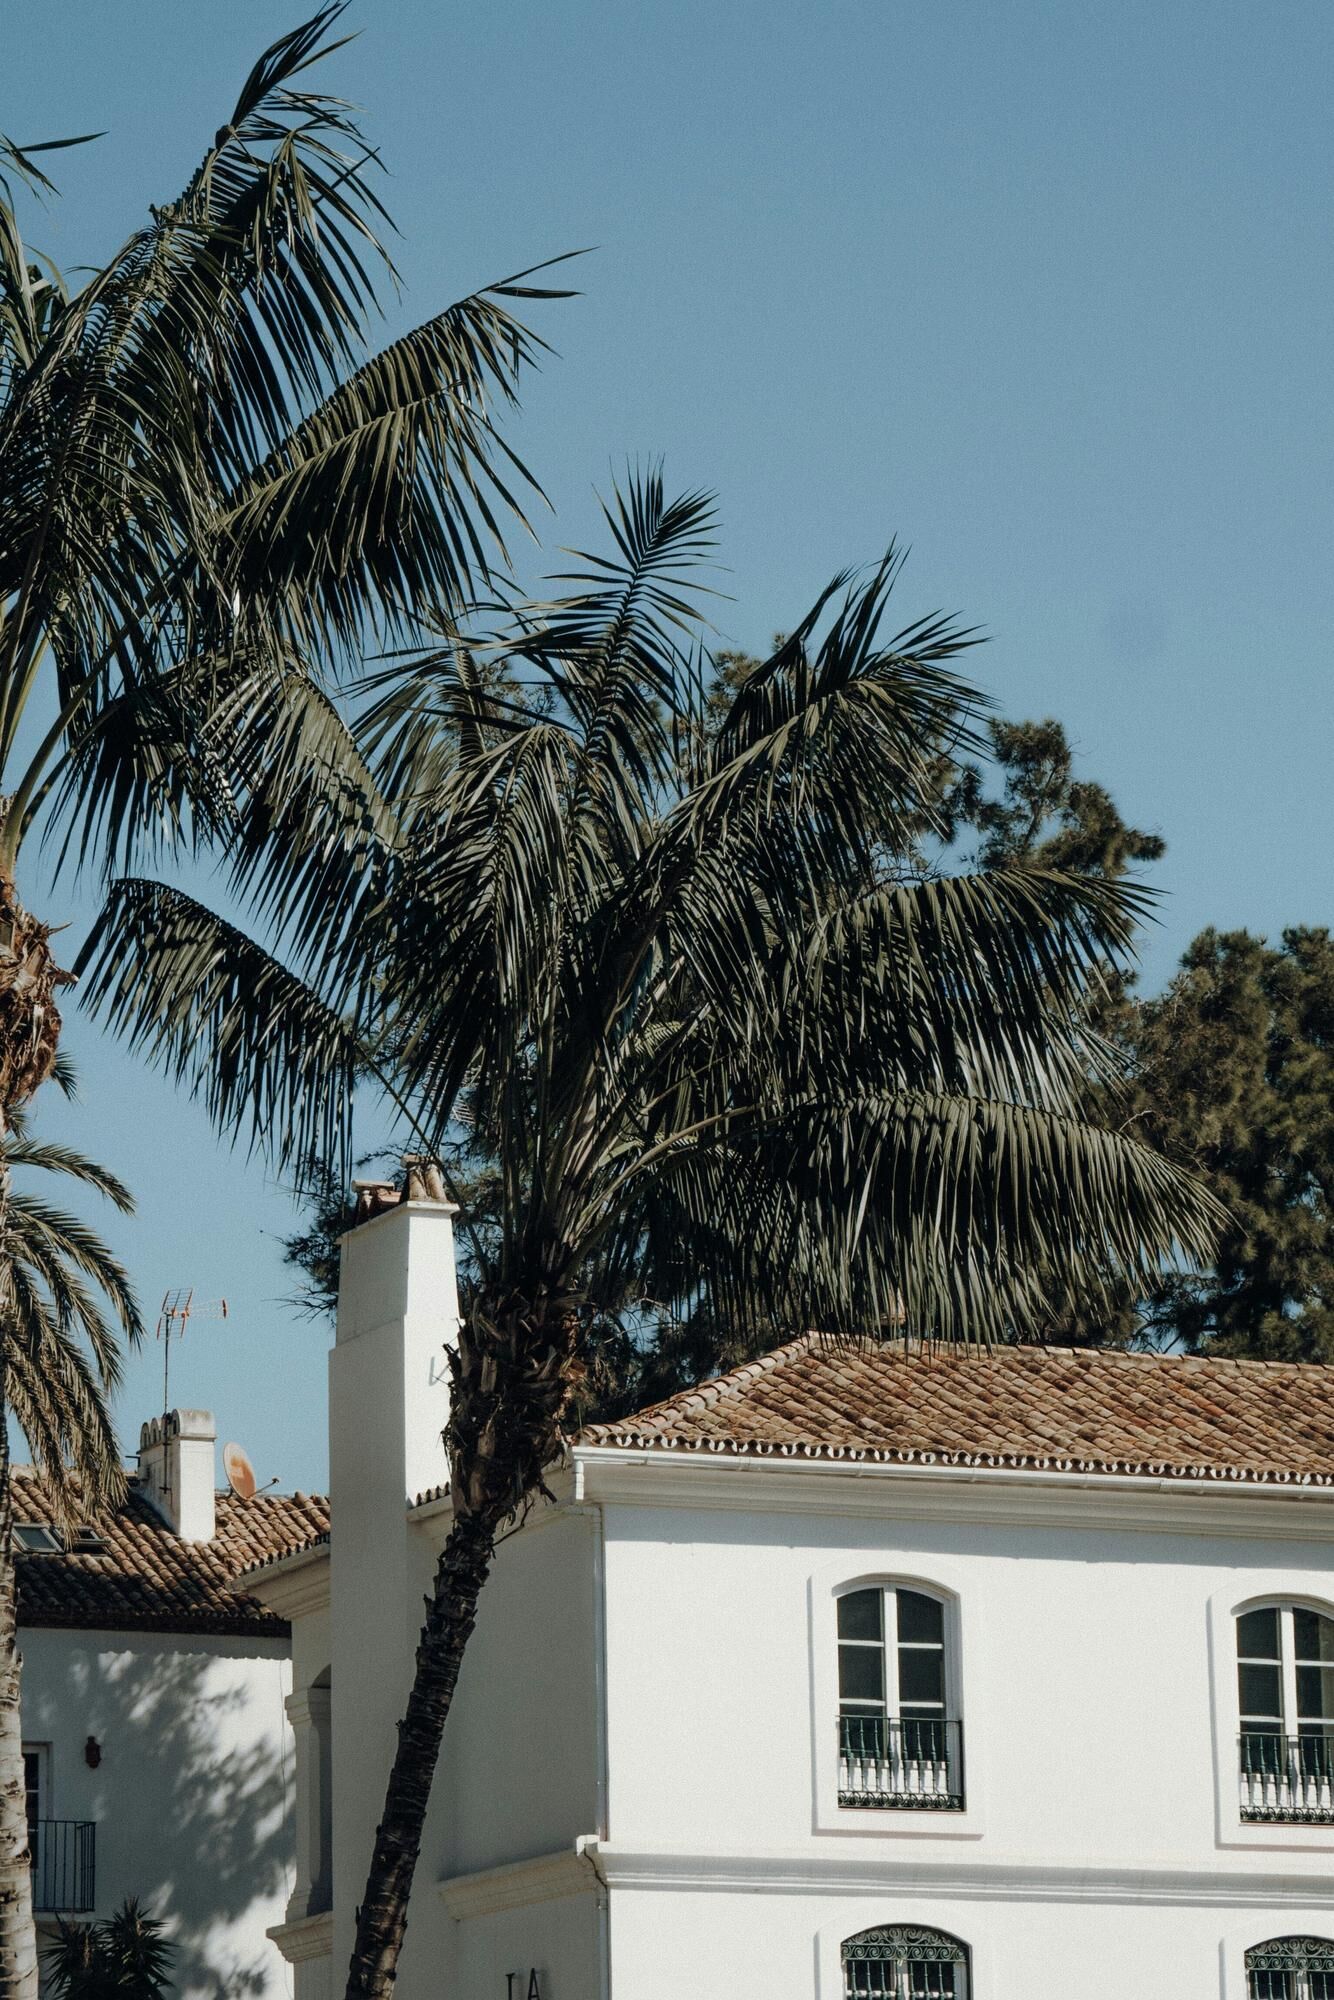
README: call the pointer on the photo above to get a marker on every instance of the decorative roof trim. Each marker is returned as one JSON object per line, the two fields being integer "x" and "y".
{"x": 282, "y": 1557}
{"x": 628, "y": 1439}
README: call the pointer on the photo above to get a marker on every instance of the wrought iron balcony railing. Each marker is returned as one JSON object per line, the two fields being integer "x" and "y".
{"x": 64, "y": 1855}
{"x": 1287, "y": 1777}
{"x": 909, "y": 1763}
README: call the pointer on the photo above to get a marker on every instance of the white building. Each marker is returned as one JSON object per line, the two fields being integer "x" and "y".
{"x": 157, "y": 1748}
{"x": 851, "y": 1673}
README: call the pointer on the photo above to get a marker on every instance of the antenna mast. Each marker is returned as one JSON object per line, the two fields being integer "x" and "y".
{"x": 178, "y": 1308}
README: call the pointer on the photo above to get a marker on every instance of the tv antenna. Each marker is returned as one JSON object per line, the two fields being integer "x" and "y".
{"x": 178, "y": 1309}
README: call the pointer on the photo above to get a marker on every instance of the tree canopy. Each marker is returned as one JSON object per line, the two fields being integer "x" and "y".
{"x": 1235, "y": 1080}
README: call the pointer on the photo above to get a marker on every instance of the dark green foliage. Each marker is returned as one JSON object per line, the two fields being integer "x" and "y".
{"x": 1017, "y": 804}
{"x": 1043, "y": 817}
{"x": 212, "y": 486}
{"x": 125, "y": 1957}
{"x": 1236, "y": 1081}
{"x": 661, "y": 969}
{"x": 69, "y": 1304}
{"x": 1231, "y": 1074}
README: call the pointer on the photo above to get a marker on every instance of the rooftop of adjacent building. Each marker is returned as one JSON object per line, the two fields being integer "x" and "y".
{"x": 132, "y": 1572}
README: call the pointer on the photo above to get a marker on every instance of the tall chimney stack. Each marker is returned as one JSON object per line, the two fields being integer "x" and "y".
{"x": 176, "y": 1471}
{"x": 388, "y": 1405}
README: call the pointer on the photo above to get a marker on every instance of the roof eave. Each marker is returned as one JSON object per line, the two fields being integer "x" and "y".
{"x": 646, "y": 1474}
{"x": 292, "y": 1585}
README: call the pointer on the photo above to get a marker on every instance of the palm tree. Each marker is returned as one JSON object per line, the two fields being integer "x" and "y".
{"x": 62, "y": 1299}
{"x": 647, "y": 933}
{"x": 212, "y": 490}
{"x": 125, "y": 1957}
{"x": 211, "y": 487}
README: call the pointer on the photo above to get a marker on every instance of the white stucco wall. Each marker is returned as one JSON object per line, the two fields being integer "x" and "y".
{"x": 519, "y": 1773}
{"x": 192, "y": 1795}
{"x": 1098, "y": 1683}
{"x": 716, "y": 1946}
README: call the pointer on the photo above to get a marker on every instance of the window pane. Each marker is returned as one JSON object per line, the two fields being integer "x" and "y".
{"x": 920, "y": 1618}
{"x": 37, "y": 1540}
{"x": 860, "y": 1615}
{"x": 1257, "y": 1635}
{"x": 1315, "y": 1693}
{"x": 1314, "y": 1635}
{"x": 1259, "y": 1691}
{"x": 921, "y": 1677}
{"x": 861, "y": 1673}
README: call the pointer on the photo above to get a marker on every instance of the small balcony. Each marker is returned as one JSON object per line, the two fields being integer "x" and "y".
{"x": 1287, "y": 1778}
{"x": 910, "y": 1764}
{"x": 64, "y": 1856}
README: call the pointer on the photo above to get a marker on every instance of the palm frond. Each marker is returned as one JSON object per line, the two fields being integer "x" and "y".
{"x": 268, "y": 1057}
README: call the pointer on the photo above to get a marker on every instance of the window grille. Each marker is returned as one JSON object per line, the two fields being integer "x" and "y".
{"x": 1291, "y": 1968}
{"x": 904, "y": 1962}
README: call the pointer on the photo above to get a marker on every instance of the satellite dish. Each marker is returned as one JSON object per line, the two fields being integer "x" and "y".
{"x": 240, "y": 1472}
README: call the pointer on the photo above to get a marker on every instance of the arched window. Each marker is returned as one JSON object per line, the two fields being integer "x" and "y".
{"x": 900, "y": 1733}
{"x": 904, "y": 1962}
{"x": 1285, "y": 1695}
{"x": 1290, "y": 1968}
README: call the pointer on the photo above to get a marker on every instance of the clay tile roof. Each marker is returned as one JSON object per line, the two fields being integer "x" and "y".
{"x": 145, "y": 1579}
{"x": 1045, "y": 1408}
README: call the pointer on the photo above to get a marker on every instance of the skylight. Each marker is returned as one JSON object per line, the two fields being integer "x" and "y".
{"x": 36, "y": 1539}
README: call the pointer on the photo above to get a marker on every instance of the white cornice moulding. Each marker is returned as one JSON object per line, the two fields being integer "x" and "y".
{"x": 1014, "y": 1496}
{"x": 547, "y": 1878}
{"x": 308, "y": 1937}
{"x": 590, "y": 1865}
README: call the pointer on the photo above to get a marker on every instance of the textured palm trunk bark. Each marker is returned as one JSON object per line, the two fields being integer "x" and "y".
{"x": 29, "y": 1035}
{"x": 18, "y": 1934}
{"x": 513, "y": 1373}
{"x": 465, "y": 1564}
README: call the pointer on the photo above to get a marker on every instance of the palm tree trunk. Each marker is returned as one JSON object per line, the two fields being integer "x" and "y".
{"x": 18, "y": 1935}
{"x": 513, "y": 1373}
{"x": 29, "y": 1035}
{"x": 29, "y": 1017}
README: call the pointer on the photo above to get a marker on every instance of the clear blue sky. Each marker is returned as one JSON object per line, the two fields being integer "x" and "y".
{"x": 1045, "y": 290}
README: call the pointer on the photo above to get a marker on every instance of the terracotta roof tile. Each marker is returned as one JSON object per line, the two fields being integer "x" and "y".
{"x": 145, "y": 1579}
{"x": 1053, "y": 1408}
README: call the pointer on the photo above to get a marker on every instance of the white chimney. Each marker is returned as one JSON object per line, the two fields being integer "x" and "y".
{"x": 176, "y": 1471}
{"x": 388, "y": 1404}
